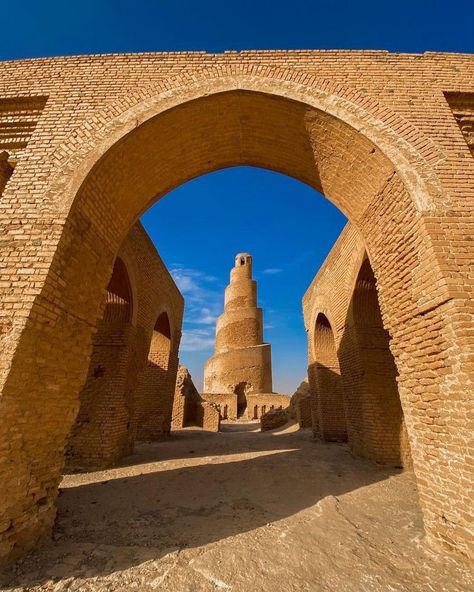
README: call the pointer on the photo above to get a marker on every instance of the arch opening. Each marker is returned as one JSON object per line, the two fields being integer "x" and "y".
{"x": 370, "y": 376}
{"x": 216, "y": 131}
{"x": 329, "y": 421}
{"x": 156, "y": 386}
{"x": 102, "y": 430}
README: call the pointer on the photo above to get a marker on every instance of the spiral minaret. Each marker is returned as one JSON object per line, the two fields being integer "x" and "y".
{"x": 242, "y": 363}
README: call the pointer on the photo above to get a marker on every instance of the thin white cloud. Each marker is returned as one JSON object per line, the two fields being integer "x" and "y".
{"x": 206, "y": 317}
{"x": 197, "y": 340}
{"x": 203, "y": 296}
{"x": 272, "y": 271}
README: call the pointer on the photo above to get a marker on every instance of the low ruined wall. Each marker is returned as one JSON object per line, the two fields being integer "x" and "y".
{"x": 190, "y": 408}
{"x": 226, "y": 404}
{"x": 273, "y": 419}
{"x": 300, "y": 405}
{"x": 261, "y": 403}
{"x": 208, "y": 416}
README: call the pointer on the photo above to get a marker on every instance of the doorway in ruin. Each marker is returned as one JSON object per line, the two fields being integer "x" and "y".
{"x": 370, "y": 377}
{"x": 241, "y": 390}
{"x": 156, "y": 389}
{"x": 329, "y": 418}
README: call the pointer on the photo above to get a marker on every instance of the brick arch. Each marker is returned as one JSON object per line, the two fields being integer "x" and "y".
{"x": 160, "y": 346}
{"x": 119, "y": 302}
{"x": 324, "y": 375}
{"x": 370, "y": 376}
{"x": 414, "y": 155}
{"x": 103, "y": 430}
{"x": 359, "y": 155}
{"x": 157, "y": 380}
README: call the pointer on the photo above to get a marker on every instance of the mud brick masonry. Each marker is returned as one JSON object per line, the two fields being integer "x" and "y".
{"x": 189, "y": 408}
{"x": 89, "y": 143}
{"x": 129, "y": 390}
{"x": 352, "y": 373}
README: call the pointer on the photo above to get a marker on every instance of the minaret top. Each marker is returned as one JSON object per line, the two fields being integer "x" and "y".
{"x": 243, "y": 259}
{"x": 242, "y": 267}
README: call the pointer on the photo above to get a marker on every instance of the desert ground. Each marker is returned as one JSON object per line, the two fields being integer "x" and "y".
{"x": 240, "y": 511}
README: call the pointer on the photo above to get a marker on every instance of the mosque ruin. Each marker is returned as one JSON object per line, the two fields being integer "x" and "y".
{"x": 88, "y": 143}
{"x": 238, "y": 377}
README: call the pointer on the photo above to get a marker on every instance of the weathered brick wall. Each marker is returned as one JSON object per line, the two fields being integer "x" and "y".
{"x": 157, "y": 386}
{"x": 370, "y": 377}
{"x": 208, "y": 416}
{"x": 273, "y": 419}
{"x": 226, "y": 403}
{"x": 126, "y": 397}
{"x": 108, "y": 135}
{"x": 300, "y": 405}
{"x": 189, "y": 408}
{"x": 260, "y": 403}
{"x": 352, "y": 372}
{"x": 324, "y": 375}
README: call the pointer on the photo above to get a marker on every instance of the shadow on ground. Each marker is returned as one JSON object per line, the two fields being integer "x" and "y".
{"x": 185, "y": 493}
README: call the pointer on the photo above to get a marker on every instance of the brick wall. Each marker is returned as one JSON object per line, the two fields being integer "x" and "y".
{"x": 324, "y": 374}
{"x": 352, "y": 371}
{"x": 189, "y": 408}
{"x": 125, "y": 396}
{"x": 373, "y": 131}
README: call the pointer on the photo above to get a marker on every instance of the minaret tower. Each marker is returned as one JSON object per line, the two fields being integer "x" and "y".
{"x": 242, "y": 363}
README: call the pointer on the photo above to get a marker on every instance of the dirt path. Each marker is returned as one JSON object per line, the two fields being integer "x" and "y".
{"x": 239, "y": 511}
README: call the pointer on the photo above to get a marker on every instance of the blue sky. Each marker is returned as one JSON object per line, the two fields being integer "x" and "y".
{"x": 197, "y": 240}
{"x": 288, "y": 227}
{"x": 34, "y": 28}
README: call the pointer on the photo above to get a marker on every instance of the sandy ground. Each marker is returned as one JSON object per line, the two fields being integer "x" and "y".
{"x": 239, "y": 511}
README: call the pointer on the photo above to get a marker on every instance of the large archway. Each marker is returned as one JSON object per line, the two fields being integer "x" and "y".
{"x": 374, "y": 175}
{"x": 370, "y": 377}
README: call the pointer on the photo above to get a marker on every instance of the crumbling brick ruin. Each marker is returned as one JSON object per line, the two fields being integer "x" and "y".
{"x": 300, "y": 405}
{"x": 273, "y": 419}
{"x": 238, "y": 377}
{"x": 93, "y": 141}
{"x": 189, "y": 408}
{"x": 128, "y": 393}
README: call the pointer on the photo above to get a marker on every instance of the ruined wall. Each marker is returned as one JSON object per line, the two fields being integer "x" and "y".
{"x": 97, "y": 139}
{"x": 124, "y": 397}
{"x": 260, "y": 403}
{"x": 189, "y": 408}
{"x": 226, "y": 403}
{"x": 300, "y": 405}
{"x": 352, "y": 372}
{"x": 275, "y": 418}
